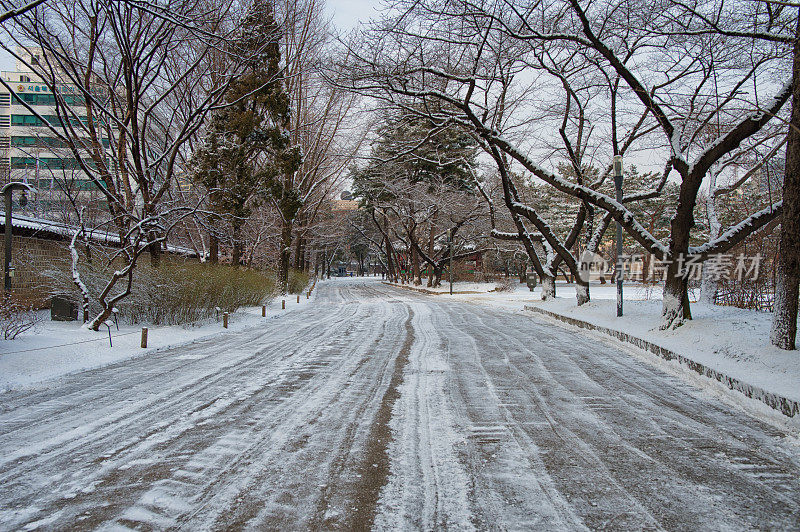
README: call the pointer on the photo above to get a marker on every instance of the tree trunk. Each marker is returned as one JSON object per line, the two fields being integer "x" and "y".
{"x": 431, "y": 237}
{"x": 415, "y": 270}
{"x": 390, "y": 273}
{"x": 95, "y": 324}
{"x": 582, "y": 292}
{"x": 784, "y": 319}
{"x": 213, "y": 248}
{"x": 154, "y": 248}
{"x": 286, "y": 255}
{"x": 298, "y": 254}
{"x": 675, "y": 306}
{"x": 548, "y": 287}
{"x": 709, "y": 286}
{"x": 675, "y": 303}
{"x": 646, "y": 266}
{"x": 437, "y": 276}
{"x": 236, "y": 252}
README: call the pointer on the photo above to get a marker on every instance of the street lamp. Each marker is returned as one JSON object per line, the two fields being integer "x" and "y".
{"x": 450, "y": 251}
{"x": 618, "y": 187}
{"x": 7, "y": 192}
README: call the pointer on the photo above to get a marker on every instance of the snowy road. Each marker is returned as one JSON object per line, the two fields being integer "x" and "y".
{"x": 381, "y": 407}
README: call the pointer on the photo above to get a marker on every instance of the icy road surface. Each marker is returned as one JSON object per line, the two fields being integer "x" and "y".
{"x": 378, "y": 407}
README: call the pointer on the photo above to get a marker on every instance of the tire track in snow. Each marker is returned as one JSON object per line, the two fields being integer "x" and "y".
{"x": 199, "y": 392}
{"x": 497, "y": 421}
{"x": 427, "y": 488}
{"x": 603, "y": 445}
{"x": 102, "y": 432}
{"x": 273, "y": 483}
{"x": 513, "y": 392}
{"x": 374, "y": 469}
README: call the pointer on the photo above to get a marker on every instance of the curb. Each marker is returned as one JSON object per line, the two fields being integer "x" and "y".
{"x": 787, "y": 407}
{"x": 429, "y": 292}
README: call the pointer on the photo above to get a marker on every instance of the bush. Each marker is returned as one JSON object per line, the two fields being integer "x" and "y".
{"x": 176, "y": 292}
{"x": 298, "y": 280}
{"x": 16, "y": 317}
{"x": 182, "y": 292}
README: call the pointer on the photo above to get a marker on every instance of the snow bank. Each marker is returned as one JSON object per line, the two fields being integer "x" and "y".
{"x": 55, "y": 349}
{"x": 521, "y": 291}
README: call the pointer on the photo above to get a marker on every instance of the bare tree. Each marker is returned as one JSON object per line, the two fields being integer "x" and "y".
{"x": 754, "y": 24}
{"x": 116, "y": 70}
{"x": 481, "y": 85}
{"x": 321, "y": 124}
{"x": 408, "y": 58}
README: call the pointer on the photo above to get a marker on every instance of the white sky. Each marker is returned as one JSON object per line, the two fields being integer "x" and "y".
{"x": 347, "y": 14}
{"x": 7, "y": 62}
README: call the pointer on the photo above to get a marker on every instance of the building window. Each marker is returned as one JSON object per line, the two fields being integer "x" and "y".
{"x": 44, "y": 99}
{"x": 53, "y": 163}
{"x": 32, "y": 120}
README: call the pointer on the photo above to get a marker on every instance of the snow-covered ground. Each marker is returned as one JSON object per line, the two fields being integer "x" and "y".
{"x": 732, "y": 341}
{"x": 380, "y": 408}
{"x": 521, "y": 291}
{"x": 57, "y": 348}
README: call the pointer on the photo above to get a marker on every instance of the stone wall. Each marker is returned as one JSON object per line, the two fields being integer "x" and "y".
{"x": 31, "y": 257}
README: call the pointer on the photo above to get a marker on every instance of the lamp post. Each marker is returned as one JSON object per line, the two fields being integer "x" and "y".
{"x": 450, "y": 251}
{"x": 618, "y": 187}
{"x": 7, "y": 192}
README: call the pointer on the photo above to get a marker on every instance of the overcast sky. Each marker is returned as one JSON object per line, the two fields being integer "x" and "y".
{"x": 348, "y": 13}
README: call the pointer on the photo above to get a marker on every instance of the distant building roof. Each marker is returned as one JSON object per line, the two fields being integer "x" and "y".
{"x": 344, "y": 205}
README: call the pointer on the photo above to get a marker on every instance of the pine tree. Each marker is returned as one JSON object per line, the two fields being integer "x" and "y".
{"x": 247, "y": 149}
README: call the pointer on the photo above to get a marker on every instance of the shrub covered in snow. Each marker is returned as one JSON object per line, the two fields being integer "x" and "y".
{"x": 298, "y": 280}
{"x": 181, "y": 292}
{"x": 16, "y": 317}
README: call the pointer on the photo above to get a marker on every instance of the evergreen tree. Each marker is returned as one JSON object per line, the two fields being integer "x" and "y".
{"x": 247, "y": 149}
{"x": 411, "y": 149}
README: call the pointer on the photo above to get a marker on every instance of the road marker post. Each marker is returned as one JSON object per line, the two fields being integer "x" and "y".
{"x": 283, "y": 304}
{"x": 298, "y": 298}
{"x": 108, "y": 324}
{"x": 263, "y": 311}
{"x": 144, "y": 337}
{"x": 225, "y": 320}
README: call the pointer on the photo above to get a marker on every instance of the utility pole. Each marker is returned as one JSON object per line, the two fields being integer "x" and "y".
{"x": 450, "y": 267}
{"x": 618, "y": 187}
